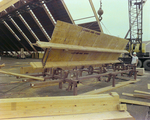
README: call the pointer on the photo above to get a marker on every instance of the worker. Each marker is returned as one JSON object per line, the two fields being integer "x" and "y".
{"x": 134, "y": 59}
{"x": 133, "y": 62}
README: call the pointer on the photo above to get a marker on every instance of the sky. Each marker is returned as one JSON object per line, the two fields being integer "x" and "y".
{"x": 115, "y": 18}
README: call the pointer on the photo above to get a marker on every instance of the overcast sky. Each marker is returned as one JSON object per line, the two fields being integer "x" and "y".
{"x": 115, "y": 17}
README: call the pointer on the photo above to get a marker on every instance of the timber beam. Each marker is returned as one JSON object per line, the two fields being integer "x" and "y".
{"x": 76, "y": 47}
{"x": 65, "y": 105}
{"x": 21, "y": 75}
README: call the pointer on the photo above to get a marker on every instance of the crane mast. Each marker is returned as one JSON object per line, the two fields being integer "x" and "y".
{"x": 135, "y": 8}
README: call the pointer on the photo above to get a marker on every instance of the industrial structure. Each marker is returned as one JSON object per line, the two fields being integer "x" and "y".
{"x": 135, "y": 33}
{"x": 71, "y": 54}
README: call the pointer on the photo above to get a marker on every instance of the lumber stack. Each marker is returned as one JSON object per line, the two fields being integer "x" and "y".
{"x": 66, "y": 105}
{"x": 141, "y": 94}
{"x": 141, "y": 71}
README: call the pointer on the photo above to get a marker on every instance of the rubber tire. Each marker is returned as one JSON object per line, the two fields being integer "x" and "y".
{"x": 147, "y": 64}
{"x": 139, "y": 65}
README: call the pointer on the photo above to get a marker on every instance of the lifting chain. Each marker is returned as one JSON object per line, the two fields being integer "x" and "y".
{"x": 100, "y": 11}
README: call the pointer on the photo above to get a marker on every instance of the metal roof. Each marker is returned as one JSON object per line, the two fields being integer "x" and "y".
{"x": 27, "y": 21}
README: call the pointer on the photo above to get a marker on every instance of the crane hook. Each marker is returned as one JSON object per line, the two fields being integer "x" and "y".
{"x": 100, "y": 11}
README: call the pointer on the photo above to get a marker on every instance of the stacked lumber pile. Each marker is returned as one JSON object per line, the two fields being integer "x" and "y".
{"x": 98, "y": 107}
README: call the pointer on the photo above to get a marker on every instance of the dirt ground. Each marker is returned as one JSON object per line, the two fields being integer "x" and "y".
{"x": 11, "y": 87}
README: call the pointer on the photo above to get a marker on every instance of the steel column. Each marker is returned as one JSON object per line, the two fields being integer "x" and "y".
{"x": 9, "y": 28}
{"x": 38, "y": 23}
{"x": 22, "y": 33}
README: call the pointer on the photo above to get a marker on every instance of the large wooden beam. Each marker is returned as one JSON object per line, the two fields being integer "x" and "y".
{"x": 76, "y": 47}
{"x": 70, "y": 63}
{"x": 111, "y": 115}
{"x": 47, "y": 106}
{"x": 21, "y": 75}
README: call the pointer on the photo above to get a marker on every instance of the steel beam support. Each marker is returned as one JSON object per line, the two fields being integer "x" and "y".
{"x": 27, "y": 26}
{"x": 9, "y": 38}
{"x": 6, "y": 47}
{"x": 22, "y": 33}
{"x": 48, "y": 13}
{"x": 65, "y": 6}
{"x": 9, "y": 44}
{"x": 38, "y": 23}
{"x": 9, "y": 28}
{"x": 95, "y": 14}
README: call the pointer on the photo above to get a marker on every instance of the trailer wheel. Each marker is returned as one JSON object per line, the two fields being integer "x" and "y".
{"x": 139, "y": 65}
{"x": 147, "y": 64}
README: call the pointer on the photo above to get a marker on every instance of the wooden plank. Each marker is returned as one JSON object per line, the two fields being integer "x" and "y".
{"x": 111, "y": 115}
{"x": 134, "y": 102}
{"x": 141, "y": 92}
{"x": 137, "y": 95}
{"x": 25, "y": 70}
{"x": 21, "y": 75}
{"x": 2, "y": 65}
{"x": 44, "y": 106}
{"x": 105, "y": 89}
{"x": 148, "y": 85}
{"x": 70, "y": 64}
{"x": 76, "y": 47}
{"x": 141, "y": 71}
